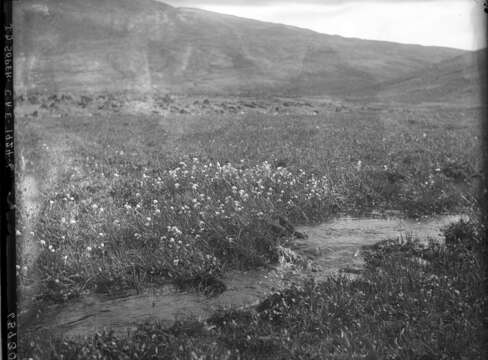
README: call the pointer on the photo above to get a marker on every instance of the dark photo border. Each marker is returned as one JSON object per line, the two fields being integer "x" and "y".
{"x": 7, "y": 190}
{"x": 8, "y": 247}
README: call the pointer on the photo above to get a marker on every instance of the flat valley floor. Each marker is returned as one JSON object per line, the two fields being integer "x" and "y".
{"x": 120, "y": 198}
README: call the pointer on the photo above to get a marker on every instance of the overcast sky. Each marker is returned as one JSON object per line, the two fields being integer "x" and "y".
{"x": 452, "y": 23}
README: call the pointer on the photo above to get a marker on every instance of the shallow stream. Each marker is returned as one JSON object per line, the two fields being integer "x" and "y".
{"x": 329, "y": 247}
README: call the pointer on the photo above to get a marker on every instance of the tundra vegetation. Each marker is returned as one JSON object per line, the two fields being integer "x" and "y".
{"x": 146, "y": 199}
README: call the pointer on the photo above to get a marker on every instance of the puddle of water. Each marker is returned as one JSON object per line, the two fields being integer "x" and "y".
{"x": 334, "y": 245}
{"x": 165, "y": 305}
{"x": 331, "y": 246}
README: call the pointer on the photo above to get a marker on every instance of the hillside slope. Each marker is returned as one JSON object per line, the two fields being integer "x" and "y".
{"x": 144, "y": 46}
{"x": 455, "y": 80}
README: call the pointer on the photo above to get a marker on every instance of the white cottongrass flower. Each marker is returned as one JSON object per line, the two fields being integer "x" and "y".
{"x": 359, "y": 165}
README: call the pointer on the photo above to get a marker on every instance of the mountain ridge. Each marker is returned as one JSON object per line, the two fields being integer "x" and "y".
{"x": 456, "y": 80}
{"x": 147, "y": 46}
{"x": 296, "y": 27}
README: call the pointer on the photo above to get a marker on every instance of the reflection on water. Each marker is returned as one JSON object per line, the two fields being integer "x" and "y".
{"x": 333, "y": 245}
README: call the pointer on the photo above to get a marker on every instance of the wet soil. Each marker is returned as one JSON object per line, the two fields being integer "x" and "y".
{"x": 328, "y": 249}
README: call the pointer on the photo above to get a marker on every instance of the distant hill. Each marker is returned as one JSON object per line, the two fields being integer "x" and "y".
{"x": 145, "y": 46}
{"x": 455, "y": 80}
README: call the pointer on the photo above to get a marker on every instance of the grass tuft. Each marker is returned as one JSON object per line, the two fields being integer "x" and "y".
{"x": 400, "y": 308}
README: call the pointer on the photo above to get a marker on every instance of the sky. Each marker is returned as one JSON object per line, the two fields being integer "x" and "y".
{"x": 451, "y": 23}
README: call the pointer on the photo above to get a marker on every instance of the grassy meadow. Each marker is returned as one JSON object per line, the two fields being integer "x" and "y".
{"x": 142, "y": 200}
{"x": 411, "y": 302}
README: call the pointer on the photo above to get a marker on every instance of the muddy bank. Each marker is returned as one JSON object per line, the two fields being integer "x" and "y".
{"x": 329, "y": 247}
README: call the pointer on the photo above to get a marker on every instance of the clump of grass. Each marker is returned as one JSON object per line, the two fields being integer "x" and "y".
{"x": 197, "y": 219}
{"x": 101, "y": 229}
{"x": 95, "y": 237}
{"x": 400, "y": 308}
